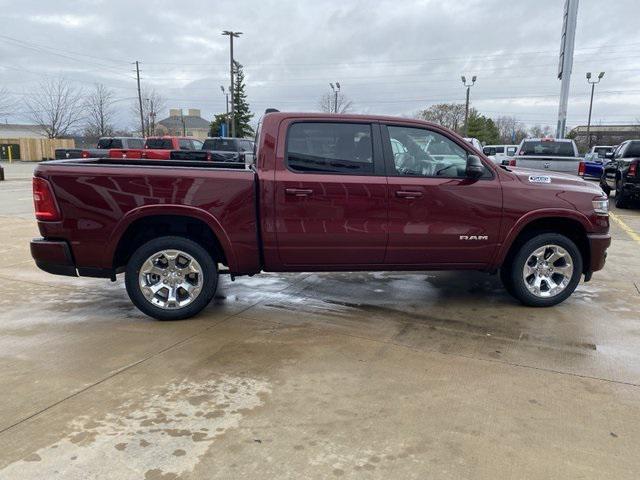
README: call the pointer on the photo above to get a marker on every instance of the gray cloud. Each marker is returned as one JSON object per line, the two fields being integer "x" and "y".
{"x": 391, "y": 57}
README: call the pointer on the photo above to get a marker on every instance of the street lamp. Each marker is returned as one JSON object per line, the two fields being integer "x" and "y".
{"x": 336, "y": 90}
{"x": 593, "y": 84}
{"x": 466, "y": 108}
{"x": 231, "y": 36}
{"x": 226, "y": 94}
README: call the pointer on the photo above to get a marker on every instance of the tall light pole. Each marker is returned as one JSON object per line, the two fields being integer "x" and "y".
{"x": 565, "y": 65}
{"x": 226, "y": 94}
{"x": 593, "y": 86}
{"x": 231, "y": 35}
{"x": 336, "y": 90}
{"x": 466, "y": 108}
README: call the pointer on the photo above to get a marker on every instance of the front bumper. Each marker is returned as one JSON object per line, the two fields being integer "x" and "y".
{"x": 53, "y": 256}
{"x": 598, "y": 244}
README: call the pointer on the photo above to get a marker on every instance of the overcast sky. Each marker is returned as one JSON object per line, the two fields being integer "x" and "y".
{"x": 390, "y": 56}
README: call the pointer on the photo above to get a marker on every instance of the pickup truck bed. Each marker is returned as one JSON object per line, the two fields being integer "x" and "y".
{"x": 98, "y": 213}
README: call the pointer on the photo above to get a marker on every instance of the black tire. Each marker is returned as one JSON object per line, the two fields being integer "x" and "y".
{"x": 209, "y": 277}
{"x": 621, "y": 199}
{"x": 517, "y": 281}
{"x": 605, "y": 188}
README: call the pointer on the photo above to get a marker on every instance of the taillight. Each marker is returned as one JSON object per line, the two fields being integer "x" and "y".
{"x": 44, "y": 201}
{"x": 581, "y": 169}
{"x": 512, "y": 162}
{"x": 633, "y": 169}
{"x": 85, "y": 154}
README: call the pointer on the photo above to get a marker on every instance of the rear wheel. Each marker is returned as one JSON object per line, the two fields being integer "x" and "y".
{"x": 171, "y": 278}
{"x": 546, "y": 270}
{"x": 620, "y": 199}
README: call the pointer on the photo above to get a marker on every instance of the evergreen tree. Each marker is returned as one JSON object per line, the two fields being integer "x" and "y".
{"x": 483, "y": 128}
{"x": 216, "y": 124}
{"x": 242, "y": 113}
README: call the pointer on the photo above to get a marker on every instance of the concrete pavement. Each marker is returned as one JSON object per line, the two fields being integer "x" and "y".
{"x": 381, "y": 375}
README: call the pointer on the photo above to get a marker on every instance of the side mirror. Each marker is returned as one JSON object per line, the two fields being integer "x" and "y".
{"x": 475, "y": 168}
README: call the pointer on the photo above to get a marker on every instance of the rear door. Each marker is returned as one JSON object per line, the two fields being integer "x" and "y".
{"x": 331, "y": 195}
{"x": 437, "y": 216}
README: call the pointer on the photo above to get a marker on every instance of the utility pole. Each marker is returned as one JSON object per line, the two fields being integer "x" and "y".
{"x": 336, "y": 90}
{"x": 565, "y": 64}
{"x": 231, "y": 35}
{"x": 226, "y": 94}
{"x": 466, "y": 108}
{"x": 593, "y": 86}
{"x": 140, "y": 99}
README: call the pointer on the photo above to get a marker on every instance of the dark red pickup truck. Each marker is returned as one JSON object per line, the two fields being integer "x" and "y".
{"x": 327, "y": 193}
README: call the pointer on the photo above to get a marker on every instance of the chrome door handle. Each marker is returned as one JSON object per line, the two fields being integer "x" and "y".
{"x": 298, "y": 192}
{"x": 408, "y": 194}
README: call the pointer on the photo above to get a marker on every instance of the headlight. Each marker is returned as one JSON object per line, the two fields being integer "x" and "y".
{"x": 601, "y": 206}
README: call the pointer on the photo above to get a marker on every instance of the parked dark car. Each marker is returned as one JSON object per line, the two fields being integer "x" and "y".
{"x": 327, "y": 193}
{"x": 621, "y": 173}
{"x": 231, "y": 149}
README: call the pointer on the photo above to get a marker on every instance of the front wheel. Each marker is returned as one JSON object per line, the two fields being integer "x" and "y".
{"x": 171, "y": 278}
{"x": 620, "y": 198}
{"x": 546, "y": 270}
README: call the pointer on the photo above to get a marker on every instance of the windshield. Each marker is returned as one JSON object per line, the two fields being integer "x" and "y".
{"x": 220, "y": 144}
{"x": 547, "y": 148}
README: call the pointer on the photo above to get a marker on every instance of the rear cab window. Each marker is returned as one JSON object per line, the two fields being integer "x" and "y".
{"x": 159, "y": 144}
{"x": 221, "y": 144}
{"x": 330, "y": 147}
{"x": 632, "y": 150}
{"x": 547, "y": 148}
{"x": 107, "y": 143}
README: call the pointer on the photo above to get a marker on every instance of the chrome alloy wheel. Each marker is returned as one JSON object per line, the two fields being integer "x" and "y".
{"x": 170, "y": 279}
{"x": 548, "y": 271}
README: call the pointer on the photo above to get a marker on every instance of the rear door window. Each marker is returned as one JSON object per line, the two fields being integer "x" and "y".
{"x": 135, "y": 143}
{"x": 339, "y": 148}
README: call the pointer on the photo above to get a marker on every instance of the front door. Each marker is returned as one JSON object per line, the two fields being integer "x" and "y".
{"x": 438, "y": 216}
{"x": 331, "y": 196}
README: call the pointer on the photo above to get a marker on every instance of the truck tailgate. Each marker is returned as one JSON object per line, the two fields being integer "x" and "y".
{"x": 553, "y": 164}
{"x": 100, "y": 198}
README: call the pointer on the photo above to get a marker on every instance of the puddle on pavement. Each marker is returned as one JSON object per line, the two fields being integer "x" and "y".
{"x": 162, "y": 436}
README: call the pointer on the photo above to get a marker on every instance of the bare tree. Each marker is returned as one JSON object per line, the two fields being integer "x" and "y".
{"x": 99, "y": 111}
{"x": 152, "y": 105}
{"x": 57, "y": 108}
{"x": 327, "y": 103}
{"x": 538, "y": 131}
{"x": 449, "y": 115}
{"x": 510, "y": 129}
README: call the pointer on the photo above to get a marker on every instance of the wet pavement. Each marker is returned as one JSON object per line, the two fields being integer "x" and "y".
{"x": 363, "y": 375}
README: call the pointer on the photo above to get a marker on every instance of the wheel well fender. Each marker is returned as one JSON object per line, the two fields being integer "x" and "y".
{"x": 147, "y": 222}
{"x": 571, "y": 225}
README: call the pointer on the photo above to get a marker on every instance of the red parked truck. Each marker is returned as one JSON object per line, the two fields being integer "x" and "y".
{"x": 327, "y": 193}
{"x": 158, "y": 148}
